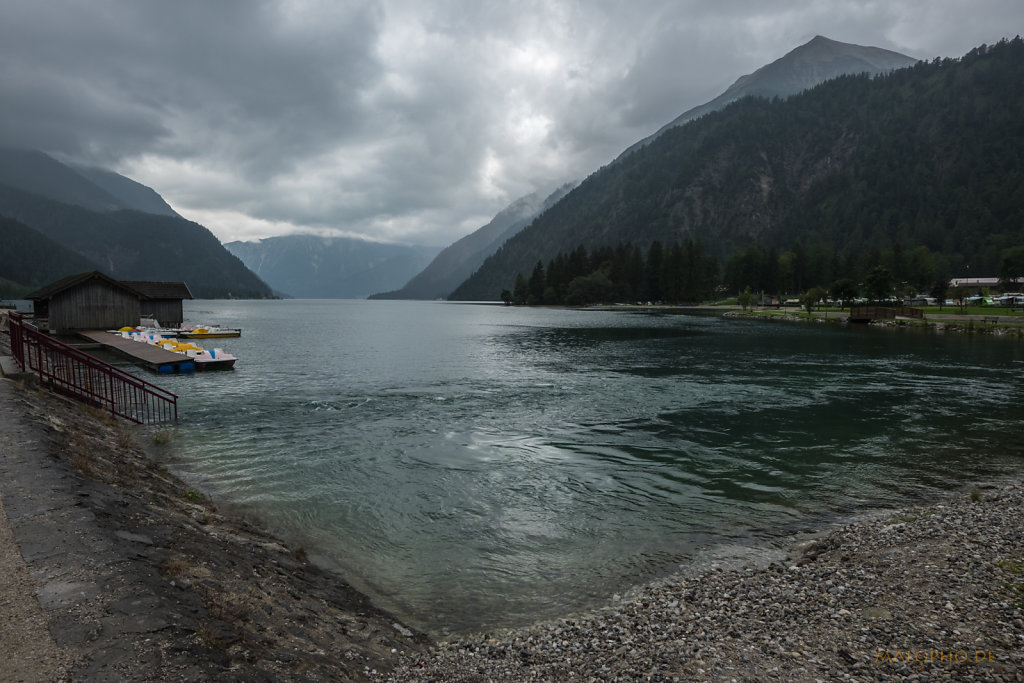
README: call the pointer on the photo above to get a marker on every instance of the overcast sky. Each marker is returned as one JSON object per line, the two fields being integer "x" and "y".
{"x": 402, "y": 120}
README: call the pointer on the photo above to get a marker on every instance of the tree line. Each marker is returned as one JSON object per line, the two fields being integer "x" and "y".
{"x": 685, "y": 273}
{"x": 678, "y": 273}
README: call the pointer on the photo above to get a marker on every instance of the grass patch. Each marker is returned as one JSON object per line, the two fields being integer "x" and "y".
{"x": 125, "y": 439}
{"x": 175, "y": 567}
{"x": 975, "y": 310}
{"x": 1015, "y": 584}
{"x": 162, "y": 437}
{"x": 976, "y": 496}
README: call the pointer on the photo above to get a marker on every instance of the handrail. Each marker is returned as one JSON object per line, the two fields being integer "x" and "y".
{"x": 74, "y": 373}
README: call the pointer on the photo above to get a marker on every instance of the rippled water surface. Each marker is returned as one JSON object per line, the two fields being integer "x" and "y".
{"x": 474, "y": 466}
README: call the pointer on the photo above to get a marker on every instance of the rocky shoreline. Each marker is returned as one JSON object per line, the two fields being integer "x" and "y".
{"x": 933, "y": 592}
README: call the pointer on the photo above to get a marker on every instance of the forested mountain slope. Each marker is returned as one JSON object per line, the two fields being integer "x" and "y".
{"x": 927, "y": 157}
{"x": 132, "y": 245}
{"x": 29, "y": 260}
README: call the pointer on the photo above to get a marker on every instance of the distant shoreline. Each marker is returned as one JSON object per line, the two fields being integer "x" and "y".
{"x": 1007, "y": 326}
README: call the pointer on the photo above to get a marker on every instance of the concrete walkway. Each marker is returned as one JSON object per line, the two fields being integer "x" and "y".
{"x": 28, "y": 651}
{"x": 73, "y": 607}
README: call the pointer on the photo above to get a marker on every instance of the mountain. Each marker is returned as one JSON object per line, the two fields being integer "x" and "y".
{"x": 457, "y": 261}
{"x": 30, "y": 260}
{"x": 806, "y": 66}
{"x": 42, "y": 175}
{"x": 131, "y": 245}
{"x": 312, "y": 267}
{"x": 89, "y": 187}
{"x": 924, "y": 162}
{"x": 66, "y": 220}
{"x": 130, "y": 194}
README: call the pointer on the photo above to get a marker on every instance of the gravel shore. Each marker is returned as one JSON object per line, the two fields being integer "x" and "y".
{"x": 930, "y": 593}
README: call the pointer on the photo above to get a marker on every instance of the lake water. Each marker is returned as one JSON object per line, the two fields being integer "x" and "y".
{"x": 475, "y": 466}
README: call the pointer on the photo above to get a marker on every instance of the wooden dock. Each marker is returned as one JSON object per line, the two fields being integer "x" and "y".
{"x": 152, "y": 357}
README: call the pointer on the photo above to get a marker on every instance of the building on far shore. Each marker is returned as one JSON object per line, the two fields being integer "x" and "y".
{"x": 979, "y": 282}
{"x": 94, "y": 301}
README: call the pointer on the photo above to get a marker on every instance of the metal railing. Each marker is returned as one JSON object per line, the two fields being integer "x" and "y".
{"x": 72, "y": 372}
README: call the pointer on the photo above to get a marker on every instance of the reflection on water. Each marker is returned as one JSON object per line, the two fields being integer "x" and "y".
{"x": 475, "y": 466}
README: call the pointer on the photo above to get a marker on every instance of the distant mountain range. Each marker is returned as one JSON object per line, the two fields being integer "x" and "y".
{"x": 925, "y": 163}
{"x": 458, "y": 261}
{"x": 65, "y": 220}
{"x": 312, "y": 267}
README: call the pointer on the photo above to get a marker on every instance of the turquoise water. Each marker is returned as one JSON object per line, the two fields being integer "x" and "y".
{"x": 475, "y": 466}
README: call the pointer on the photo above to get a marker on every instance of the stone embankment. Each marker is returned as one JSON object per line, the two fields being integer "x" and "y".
{"x": 931, "y": 593}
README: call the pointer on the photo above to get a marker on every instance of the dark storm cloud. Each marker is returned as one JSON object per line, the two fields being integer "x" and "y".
{"x": 401, "y": 119}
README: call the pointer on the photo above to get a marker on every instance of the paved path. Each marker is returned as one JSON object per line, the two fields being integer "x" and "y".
{"x": 71, "y": 576}
{"x": 27, "y": 649}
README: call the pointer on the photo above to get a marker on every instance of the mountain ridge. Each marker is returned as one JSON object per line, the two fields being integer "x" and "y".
{"x": 130, "y": 193}
{"x": 457, "y": 261}
{"x": 37, "y": 173}
{"x": 55, "y": 209}
{"x": 314, "y": 267}
{"x": 803, "y": 67}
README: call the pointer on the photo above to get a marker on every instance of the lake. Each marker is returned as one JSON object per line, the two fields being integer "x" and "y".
{"x": 477, "y": 466}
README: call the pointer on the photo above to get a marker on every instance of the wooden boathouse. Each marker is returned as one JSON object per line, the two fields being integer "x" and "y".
{"x": 94, "y": 301}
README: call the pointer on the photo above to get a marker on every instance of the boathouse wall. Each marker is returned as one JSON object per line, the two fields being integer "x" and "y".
{"x": 169, "y": 313}
{"x": 93, "y": 305}
{"x": 161, "y": 300}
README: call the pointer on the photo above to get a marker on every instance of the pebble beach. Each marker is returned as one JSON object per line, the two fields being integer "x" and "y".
{"x": 932, "y": 592}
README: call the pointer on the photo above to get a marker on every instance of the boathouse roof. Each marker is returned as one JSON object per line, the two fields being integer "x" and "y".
{"x": 160, "y": 290}
{"x": 140, "y": 288}
{"x": 48, "y": 291}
